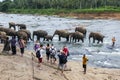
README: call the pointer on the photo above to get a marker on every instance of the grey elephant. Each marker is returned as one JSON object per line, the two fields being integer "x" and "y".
{"x": 81, "y": 29}
{"x": 62, "y": 33}
{"x": 76, "y": 36}
{"x": 96, "y": 36}
{"x": 40, "y": 34}
{"x": 49, "y": 37}
{"x": 12, "y": 24}
{"x": 27, "y": 32}
{"x": 3, "y": 36}
{"x": 10, "y": 32}
{"x": 2, "y": 28}
{"x": 23, "y": 35}
{"x": 21, "y": 26}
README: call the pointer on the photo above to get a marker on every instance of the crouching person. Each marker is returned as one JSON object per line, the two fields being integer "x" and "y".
{"x": 39, "y": 53}
{"x": 62, "y": 61}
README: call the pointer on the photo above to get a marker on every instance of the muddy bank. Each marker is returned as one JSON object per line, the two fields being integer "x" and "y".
{"x": 106, "y": 15}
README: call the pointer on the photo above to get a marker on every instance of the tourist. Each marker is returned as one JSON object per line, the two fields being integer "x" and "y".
{"x": 6, "y": 47}
{"x": 48, "y": 52}
{"x": 52, "y": 54}
{"x": 62, "y": 60}
{"x": 21, "y": 45}
{"x": 39, "y": 53}
{"x": 84, "y": 61}
{"x": 36, "y": 45}
{"x": 113, "y": 41}
{"x": 13, "y": 45}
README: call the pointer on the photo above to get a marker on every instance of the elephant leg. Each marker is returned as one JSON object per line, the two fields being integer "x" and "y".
{"x": 38, "y": 38}
{"x": 82, "y": 40}
{"x": 67, "y": 38}
{"x": 98, "y": 42}
{"x": 93, "y": 40}
{"x": 59, "y": 38}
{"x": 75, "y": 40}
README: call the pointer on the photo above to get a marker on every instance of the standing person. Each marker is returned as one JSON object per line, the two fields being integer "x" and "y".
{"x": 62, "y": 60}
{"x": 13, "y": 45}
{"x": 48, "y": 52}
{"x": 52, "y": 54}
{"x": 39, "y": 53}
{"x": 84, "y": 61}
{"x": 113, "y": 41}
{"x": 22, "y": 46}
{"x": 36, "y": 45}
{"x": 6, "y": 47}
{"x": 66, "y": 51}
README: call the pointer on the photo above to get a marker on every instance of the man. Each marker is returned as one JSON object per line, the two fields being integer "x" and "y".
{"x": 84, "y": 60}
{"x": 22, "y": 45}
{"x": 113, "y": 41}
{"x": 13, "y": 45}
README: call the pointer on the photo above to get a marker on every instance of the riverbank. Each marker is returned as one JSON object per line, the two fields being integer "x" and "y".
{"x": 93, "y": 15}
{"x": 21, "y": 68}
{"x": 100, "y": 13}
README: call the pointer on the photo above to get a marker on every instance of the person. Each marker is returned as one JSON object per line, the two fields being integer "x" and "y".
{"x": 22, "y": 45}
{"x": 39, "y": 53}
{"x": 113, "y": 41}
{"x": 62, "y": 60}
{"x": 6, "y": 47}
{"x": 48, "y": 52}
{"x": 36, "y": 45}
{"x": 84, "y": 61}
{"x": 65, "y": 50}
{"x": 13, "y": 45}
{"x": 52, "y": 54}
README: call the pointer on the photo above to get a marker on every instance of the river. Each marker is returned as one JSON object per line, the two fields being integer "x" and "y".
{"x": 99, "y": 55}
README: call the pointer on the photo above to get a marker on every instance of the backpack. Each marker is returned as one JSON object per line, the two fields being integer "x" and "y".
{"x": 38, "y": 55}
{"x": 64, "y": 59}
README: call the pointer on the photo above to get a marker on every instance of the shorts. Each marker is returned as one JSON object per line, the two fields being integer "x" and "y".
{"x": 40, "y": 60}
{"x": 84, "y": 66}
{"x": 22, "y": 50}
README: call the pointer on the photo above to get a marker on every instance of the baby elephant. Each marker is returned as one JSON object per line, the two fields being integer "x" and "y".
{"x": 48, "y": 37}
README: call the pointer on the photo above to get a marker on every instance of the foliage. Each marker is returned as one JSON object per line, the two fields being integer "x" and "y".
{"x": 53, "y": 6}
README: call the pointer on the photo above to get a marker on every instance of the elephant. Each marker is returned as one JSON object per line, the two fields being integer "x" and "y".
{"x": 12, "y": 24}
{"x": 76, "y": 36}
{"x": 23, "y": 35}
{"x": 96, "y": 36}
{"x": 3, "y": 36}
{"x": 8, "y": 31}
{"x": 62, "y": 33}
{"x": 82, "y": 30}
{"x": 27, "y": 32}
{"x": 21, "y": 26}
{"x": 40, "y": 34}
{"x": 49, "y": 37}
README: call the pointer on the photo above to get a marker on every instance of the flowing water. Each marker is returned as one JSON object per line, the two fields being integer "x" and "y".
{"x": 100, "y": 55}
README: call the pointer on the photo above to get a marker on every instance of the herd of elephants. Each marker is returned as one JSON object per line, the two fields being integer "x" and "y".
{"x": 76, "y": 36}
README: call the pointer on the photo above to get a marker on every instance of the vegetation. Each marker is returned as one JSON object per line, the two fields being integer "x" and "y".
{"x": 59, "y": 6}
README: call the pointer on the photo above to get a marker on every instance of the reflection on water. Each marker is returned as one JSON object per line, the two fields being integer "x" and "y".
{"x": 99, "y": 54}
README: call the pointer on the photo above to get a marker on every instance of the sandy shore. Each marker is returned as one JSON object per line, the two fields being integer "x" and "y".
{"x": 106, "y": 15}
{"x": 22, "y": 68}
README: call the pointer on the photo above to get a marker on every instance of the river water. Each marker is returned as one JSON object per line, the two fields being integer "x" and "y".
{"x": 99, "y": 55}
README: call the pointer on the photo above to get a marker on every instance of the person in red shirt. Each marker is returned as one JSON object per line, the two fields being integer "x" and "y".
{"x": 65, "y": 50}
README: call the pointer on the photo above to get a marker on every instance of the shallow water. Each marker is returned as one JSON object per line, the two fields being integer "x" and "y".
{"x": 99, "y": 55}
